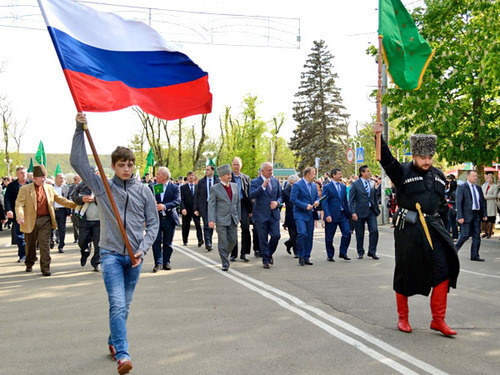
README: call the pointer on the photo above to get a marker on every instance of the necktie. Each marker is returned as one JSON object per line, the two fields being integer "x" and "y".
{"x": 311, "y": 189}
{"x": 208, "y": 190}
{"x": 192, "y": 189}
{"x": 367, "y": 187}
{"x": 338, "y": 188}
{"x": 269, "y": 187}
{"x": 474, "y": 199}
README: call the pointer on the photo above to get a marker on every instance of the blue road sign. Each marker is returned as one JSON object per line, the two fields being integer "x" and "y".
{"x": 360, "y": 155}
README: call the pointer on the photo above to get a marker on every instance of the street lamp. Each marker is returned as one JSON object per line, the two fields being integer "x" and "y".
{"x": 8, "y": 162}
{"x": 354, "y": 146}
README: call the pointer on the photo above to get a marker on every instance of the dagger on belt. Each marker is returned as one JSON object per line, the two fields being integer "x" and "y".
{"x": 424, "y": 224}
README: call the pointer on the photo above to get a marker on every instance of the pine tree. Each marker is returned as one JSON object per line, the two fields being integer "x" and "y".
{"x": 322, "y": 121}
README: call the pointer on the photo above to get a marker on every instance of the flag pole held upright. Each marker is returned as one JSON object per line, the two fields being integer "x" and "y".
{"x": 110, "y": 196}
{"x": 378, "y": 135}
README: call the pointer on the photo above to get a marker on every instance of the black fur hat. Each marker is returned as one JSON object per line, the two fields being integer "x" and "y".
{"x": 423, "y": 144}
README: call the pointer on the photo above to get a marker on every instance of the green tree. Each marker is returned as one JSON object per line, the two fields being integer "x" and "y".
{"x": 459, "y": 97}
{"x": 322, "y": 121}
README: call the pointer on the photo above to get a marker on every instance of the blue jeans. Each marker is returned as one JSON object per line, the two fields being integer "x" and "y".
{"x": 21, "y": 243}
{"x": 120, "y": 280}
{"x": 305, "y": 232}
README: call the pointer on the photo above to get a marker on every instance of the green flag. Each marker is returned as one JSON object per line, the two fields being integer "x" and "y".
{"x": 40, "y": 155}
{"x": 30, "y": 168}
{"x": 213, "y": 162}
{"x": 405, "y": 52}
{"x": 150, "y": 162}
{"x": 158, "y": 188}
{"x": 58, "y": 170}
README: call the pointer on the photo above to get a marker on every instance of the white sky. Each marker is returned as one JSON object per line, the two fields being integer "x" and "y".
{"x": 34, "y": 83}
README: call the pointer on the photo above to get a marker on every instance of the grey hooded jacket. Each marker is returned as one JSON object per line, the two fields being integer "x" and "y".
{"x": 135, "y": 201}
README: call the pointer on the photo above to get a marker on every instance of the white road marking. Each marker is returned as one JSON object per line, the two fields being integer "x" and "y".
{"x": 264, "y": 289}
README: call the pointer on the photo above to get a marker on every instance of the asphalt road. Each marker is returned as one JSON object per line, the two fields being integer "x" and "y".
{"x": 329, "y": 318}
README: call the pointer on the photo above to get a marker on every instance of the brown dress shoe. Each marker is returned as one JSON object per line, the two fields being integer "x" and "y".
{"x": 29, "y": 268}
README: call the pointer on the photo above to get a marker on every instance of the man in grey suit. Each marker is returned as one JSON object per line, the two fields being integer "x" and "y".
{"x": 224, "y": 213}
{"x": 364, "y": 208}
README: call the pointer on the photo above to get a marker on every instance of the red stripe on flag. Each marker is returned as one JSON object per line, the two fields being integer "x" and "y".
{"x": 169, "y": 102}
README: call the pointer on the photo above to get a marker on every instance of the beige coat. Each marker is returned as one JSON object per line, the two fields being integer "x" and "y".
{"x": 26, "y": 205}
{"x": 491, "y": 197}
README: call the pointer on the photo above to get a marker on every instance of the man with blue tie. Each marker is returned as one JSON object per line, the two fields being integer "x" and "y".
{"x": 166, "y": 204}
{"x": 336, "y": 213}
{"x": 187, "y": 211}
{"x": 305, "y": 199}
{"x": 364, "y": 208}
{"x": 266, "y": 191}
{"x": 471, "y": 209}
{"x": 200, "y": 205}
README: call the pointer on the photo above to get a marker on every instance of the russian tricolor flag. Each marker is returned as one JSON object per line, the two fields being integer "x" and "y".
{"x": 111, "y": 63}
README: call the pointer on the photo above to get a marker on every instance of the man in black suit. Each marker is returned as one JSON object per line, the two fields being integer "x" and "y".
{"x": 200, "y": 206}
{"x": 364, "y": 209}
{"x": 166, "y": 204}
{"x": 243, "y": 182}
{"x": 471, "y": 209}
{"x": 289, "y": 224}
{"x": 187, "y": 210}
{"x": 10, "y": 205}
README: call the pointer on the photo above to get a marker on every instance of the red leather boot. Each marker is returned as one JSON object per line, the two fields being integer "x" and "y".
{"x": 402, "y": 302}
{"x": 438, "y": 309}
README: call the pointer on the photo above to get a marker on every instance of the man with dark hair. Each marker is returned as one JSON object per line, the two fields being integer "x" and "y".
{"x": 36, "y": 217}
{"x": 425, "y": 255}
{"x": 305, "y": 199}
{"x": 471, "y": 209}
{"x": 243, "y": 182}
{"x": 10, "y": 204}
{"x": 364, "y": 208}
{"x": 336, "y": 213}
{"x": 200, "y": 206}
{"x": 187, "y": 210}
{"x": 61, "y": 212}
{"x": 137, "y": 209}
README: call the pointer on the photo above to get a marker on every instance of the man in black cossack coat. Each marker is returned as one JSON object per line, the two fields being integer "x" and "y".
{"x": 425, "y": 258}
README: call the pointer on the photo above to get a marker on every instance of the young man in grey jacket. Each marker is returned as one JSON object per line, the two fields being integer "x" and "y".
{"x": 136, "y": 206}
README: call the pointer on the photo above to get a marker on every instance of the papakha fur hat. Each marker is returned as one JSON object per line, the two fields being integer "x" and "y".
{"x": 423, "y": 144}
{"x": 39, "y": 171}
{"x": 224, "y": 169}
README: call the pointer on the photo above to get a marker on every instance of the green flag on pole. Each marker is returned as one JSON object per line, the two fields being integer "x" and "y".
{"x": 40, "y": 155}
{"x": 405, "y": 52}
{"x": 213, "y": 162}
{"x": 150, "y": 162}
{"x": 30, "y": 168}
{"x": 58, "y": 170}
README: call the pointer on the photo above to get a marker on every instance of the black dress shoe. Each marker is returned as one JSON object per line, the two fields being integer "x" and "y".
{"x": 29, "y": 269}
{"x": 157, "y": 268}
{"x": 266, "y": 266}
{"x": 256, "y": 254}
{"x": 46, "y": 273}
{"x": 345, "y": 257}
{"x": 52, "y": 244}
{"x": 167, "y": 267}
{"x": 61, "y": 251}
{"x": 477, "y": 259}
{"x": 209, "y": 248}
{"x": 244, "y": 258}
{"x": 308, "y": 263}
{"x": 200, "y": 243}
{"x": 184, "y": 244}
{"x": 232, "y": 259}
{"x": 373, "y": 256}
{"x": 288, "y": 249}
{"x": 360, "y": 256}
{"x": 83, "y": 258}
{"x": 271, "y": 261}
{"x": 330, "y": 259}
{"x": 225, "y": 268}
{"x": 301, "y": 261}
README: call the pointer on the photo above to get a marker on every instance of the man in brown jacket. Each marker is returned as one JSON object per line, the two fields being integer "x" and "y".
{"x": 36, "y": 217}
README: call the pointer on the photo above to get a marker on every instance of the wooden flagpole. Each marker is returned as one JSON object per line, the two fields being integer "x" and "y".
{"x": 378, "y": 134}
{"x": 110, "y": 196}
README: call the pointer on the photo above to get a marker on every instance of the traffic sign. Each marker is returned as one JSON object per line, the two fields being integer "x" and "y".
{"x": 360, "y": 155}
{"x": 316, "y": 163}
{"x": 350, "y": 155}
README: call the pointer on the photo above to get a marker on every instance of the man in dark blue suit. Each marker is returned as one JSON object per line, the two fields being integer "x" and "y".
{"x": 166, "y": 203}
{"x": 305, "y": 199}
{"x": 471, "y": 209}
{"x": 266, "y": 191}
{"x": 364, "y": 208}
{"x": 336, "y": 213}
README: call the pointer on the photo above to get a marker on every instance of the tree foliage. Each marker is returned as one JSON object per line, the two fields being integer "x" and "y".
{"x": 318, "y": 110}
{"x": 459, "y": 97}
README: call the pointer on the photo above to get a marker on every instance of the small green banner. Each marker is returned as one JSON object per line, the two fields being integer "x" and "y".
{"x": 158, "y": 188}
